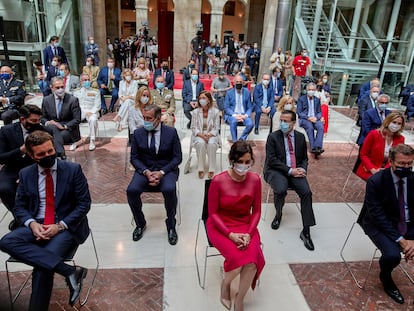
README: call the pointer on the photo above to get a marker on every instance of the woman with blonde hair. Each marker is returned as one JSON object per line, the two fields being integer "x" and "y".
{"x": 141, "y": 72}
{"x": 286, "y": 103}
{"x": 135, "y": 118}
{"x": 205, "y": 125}
{"x": 127, "y": 92}
{"x": 374, "y": 154}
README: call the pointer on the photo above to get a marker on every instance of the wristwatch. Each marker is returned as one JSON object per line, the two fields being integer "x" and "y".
{"x": 61, "y": 227}
{"x": 162, "y": 172}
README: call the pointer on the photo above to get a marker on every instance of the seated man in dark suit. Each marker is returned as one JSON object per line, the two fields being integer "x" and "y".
{"x": 406, "y": 93}
{"x": 166, "y": 73}
{"x": 62, "y": 114}
{"x": 387, "y": 215}
{"x": 53, "y": 71}
{"x": 190, "y": 92}
{"x": 286, "y": 165}
{"x": 374, "y": 117}
{"x": 12, "y": 94}
{"x": 238, "y": 108}
{"x": 367, "y": 102}
{"x": 309, "y": 112}
{"x": 13, "y": 155}
{"x": 52, "y": 202}
{"x": 108, "y": 81}
{"x": 155, "y": 155}
{"x": 263, "y": 101}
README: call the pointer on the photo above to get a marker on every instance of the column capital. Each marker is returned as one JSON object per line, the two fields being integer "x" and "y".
{"x": 216, "y": 12}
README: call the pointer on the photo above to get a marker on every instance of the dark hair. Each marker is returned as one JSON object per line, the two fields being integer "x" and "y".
{"x": 401, "y": 149}
{"x": 53, "y": 38}
{"x": 155, "y": 108}
{"x": 26, "y": 110}
{"x": 35, "y": 139}
{"x": 291, "y": 113}
{"x": 238, "y": 149}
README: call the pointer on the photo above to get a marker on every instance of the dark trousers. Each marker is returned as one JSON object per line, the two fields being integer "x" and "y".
{"x": 8, "y": 187}
{"x": 167, "y": 186}
{"x": 114, "y": 98}
{"x": 390, "y": 250}
{"x": 9, "y": 115}
{"x": 280, "y": 184}
{"x": 42, "y": 256}
{"x": 187, "y": 110}
{"x": 60, "y": 137}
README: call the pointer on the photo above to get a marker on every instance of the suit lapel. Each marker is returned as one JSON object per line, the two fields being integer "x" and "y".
{"x": 60, "y": 182}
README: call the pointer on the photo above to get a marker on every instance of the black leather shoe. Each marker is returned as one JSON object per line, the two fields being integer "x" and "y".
{"x": 276, "y": 222}
{"x": 256, "y": 131}
{"x": 74, "y": 282}
{"x": 314, "y": 150}
{"x": 138, "y": 233}
{"x": 172, "y": 237}
{"x": 307, "y": 241}
{"x": 391, "y": 289}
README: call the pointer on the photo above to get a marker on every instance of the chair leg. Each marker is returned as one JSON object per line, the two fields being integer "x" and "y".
{"x": 178, "y": 202}
{"x": 267, "y": 203}
{"x": 11, "y": 297}
{"x": 195, "y": 256}
{"x": 83, "y": 302}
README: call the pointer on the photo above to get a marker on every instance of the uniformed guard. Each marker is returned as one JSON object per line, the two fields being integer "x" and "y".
{"x": 164, "y": 98}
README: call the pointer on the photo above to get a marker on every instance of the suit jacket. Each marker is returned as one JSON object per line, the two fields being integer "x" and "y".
{"x": 169, "y": 78}
{"x": 48, "y": 56}
{"x": 213, "y": 124}
{"x": 372, "y": 153}
{"x": 73, "y": 82}
{"x": 380, "y": 212}
{"x": 405, "y": 93}
{"x": 187, "y": 92}
{"x": 370, "y": 121}
{"x": 103, "y": 77}
{"x": 364, "y": 104}
{"x": 364, "y": 89}
{"x": 251, "y": 60}
{"x": 276, "y": 153}
{"x": 69, "y": 116}
{"x": 302, "y": 107}
{"x": 169, "y": 154}
{"x": 72, "y": 198}
{"x": 258, "y": 98}
{"x": 230, "y": 103}
{"x": 278, "y": 91}
{"x": 410, "y": 107}
{"x": 15, "y": 92}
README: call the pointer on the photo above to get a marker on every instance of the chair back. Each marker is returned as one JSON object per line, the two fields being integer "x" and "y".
{"x": 355, "y": 87}
{"x": 204, "y": 216}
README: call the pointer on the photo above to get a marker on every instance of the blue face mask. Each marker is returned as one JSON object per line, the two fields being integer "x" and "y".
{"x": 148, "y": 125}
{"x": 284, "y": 127}
{"x": 87, "y": 84}
{"x": 5, "y": 76}
{"x": 159, "y": 85}
{"x": 382, "y": 107}
{"x": 194, "y": 77}
{"x": 61, "y": 73}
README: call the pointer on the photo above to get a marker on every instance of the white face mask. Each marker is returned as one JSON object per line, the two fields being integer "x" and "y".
{"x": 325, "y": 80}
{"x": 265, "y": 82}
{"x": 128, "y": 78}
{"x": 374, "y": 95}
{"x": 203, "y": 102}
{"x": 110, "y": 65}
{"x": 60, "y": 93}
{"x": 88, "y": 64}
{"x": 144, "y": 99}
{"x": 394, "y": 127}
{"x": 311, "y": 93}
{"x": 241, "y": 169}
{"x": 91, "y": 41}
{"x": 288, "y": 107}
{"x": 54, "y": 63}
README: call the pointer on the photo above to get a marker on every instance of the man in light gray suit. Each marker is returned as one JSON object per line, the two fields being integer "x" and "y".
{"x": 70, "y": 81}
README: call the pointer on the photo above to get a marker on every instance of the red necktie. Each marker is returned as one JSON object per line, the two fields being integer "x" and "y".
{"x": 291, "y": 152}
{"x": 164, "y": 74}
{"x": 402, "y": 225}
{"x": 50, "y": 199}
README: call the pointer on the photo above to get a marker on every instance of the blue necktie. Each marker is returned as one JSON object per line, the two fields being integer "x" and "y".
{"x": 59, "y": 108}
{"x": 152, "y": 143}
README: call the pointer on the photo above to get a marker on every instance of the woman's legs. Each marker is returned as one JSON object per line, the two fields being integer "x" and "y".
{"x": 228, "y": 278}
{"x": 246, "y": 278}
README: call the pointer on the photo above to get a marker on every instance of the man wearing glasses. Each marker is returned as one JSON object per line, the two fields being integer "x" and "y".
{"x": 387, "y": 215}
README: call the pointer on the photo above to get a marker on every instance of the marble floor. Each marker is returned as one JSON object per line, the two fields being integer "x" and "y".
{"x": 153, "y": 275}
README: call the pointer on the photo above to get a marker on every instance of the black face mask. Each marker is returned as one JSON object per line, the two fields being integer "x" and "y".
{"x": 48, "y": 161}
{"x": 239, "y": 86}
{"x": 165, "y": 68}
{"x": 402, "y": 171}
{"x": 31, "y": 127}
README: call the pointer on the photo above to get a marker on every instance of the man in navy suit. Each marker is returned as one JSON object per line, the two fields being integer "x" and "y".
{"x": 155, "y": 155}
{"x": 367, "y": 102}
{"x": 387, "y": 215}
{"x": 108, "y": 81}
{"x": 52, "y": 202}
{"x": 374, "y": 117}
{"x": 309, "y": 112}
{"x": 167, "y": 74}
{"x": 190, "y": 92}
{"x": 53, "y": 50}
{"x": 238, "y": 108}
{"x": 263, "y": 100}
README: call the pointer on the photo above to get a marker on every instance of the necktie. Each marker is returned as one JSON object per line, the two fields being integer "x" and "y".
{"x": 311, "y": 110}
{"x": 291, "y": 152}
{"x": 50, "y": 199}
{"x": 265, "y": 102}
{"x": 54, "y": 51}
{"x": 402, "y": 225}
{"x": 109, "y": 79}
{"x": 152, "y": 143}
{"x": 59, "y": 108}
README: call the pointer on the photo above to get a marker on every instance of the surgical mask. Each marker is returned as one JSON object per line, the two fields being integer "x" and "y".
{"x": 128, "y": 78}
{"x": 48, "y": 161}
{"x": 165, "y": 68}
{"x": 60, "y": 93}
{"x": 221, "y": 77}
{"x": 5, "y": 76}
{"x": 311, "y": 93}
{"x": 305, "y": 54}
{"x": 265, "y": 82}
{"x": 149, "y": 126}
{"x": 325, "y": 81}
{"x": 278, "y": 75}
{"x": 243, "y": 70}
{"x": 394, "y": 127}
{"x": 110, "y": 65}
{"x": 56, "y": 44}
{"x": 194, "y": 77}
{"x": 203, "y": 102}
{"x": 374, "y": 95}
{"x": 191, "y": 66}
{"x": 159, "y": 85}
{"x": 288, "y": 107}
{"x": 239, "y": 86}
{"x": 86, "y": 84}
{"x": 382, "y": 107}
{"x": 402, "y": 171}
{"x": 91, "y": 41}
{"x": 144, "y": 99}
{"x": 141, "y": 65}
{"x": 61, "y": 73}
{"x": 284, "y": 127}
{"x": 88, "y": 64}
{"x": 54, "y": 63}
{"x": 241, "y": 169}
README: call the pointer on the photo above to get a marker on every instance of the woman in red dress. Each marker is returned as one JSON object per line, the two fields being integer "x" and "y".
{"x": 234, "y": 212}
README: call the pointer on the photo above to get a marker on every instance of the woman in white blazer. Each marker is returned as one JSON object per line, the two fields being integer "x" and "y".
{"x": 127, "y": 91}
{"x": 205, "y": 125}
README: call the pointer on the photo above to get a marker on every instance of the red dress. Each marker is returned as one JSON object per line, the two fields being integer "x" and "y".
{"x": 235, "y": 207}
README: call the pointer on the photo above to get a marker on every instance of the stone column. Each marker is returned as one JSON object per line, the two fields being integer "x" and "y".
{"x": 99, "y": 23}
{"x": 268, "y": 36}
{"x": 216, "y": 24}
{"x": 186, "y": 15}
{"x": 282, "y": 23}
{"x": 354, "y": 28}
{"x": 52, "y": 8}
{"x": 86, "y": 7}
{"x": 141, "y": 12}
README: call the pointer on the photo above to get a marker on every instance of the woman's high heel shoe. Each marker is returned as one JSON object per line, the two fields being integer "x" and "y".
{"x": 225, "y": 302}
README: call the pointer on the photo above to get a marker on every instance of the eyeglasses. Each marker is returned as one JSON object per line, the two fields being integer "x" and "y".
{"x": 59, "y": 87}
{"x": 383, "y": 102}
